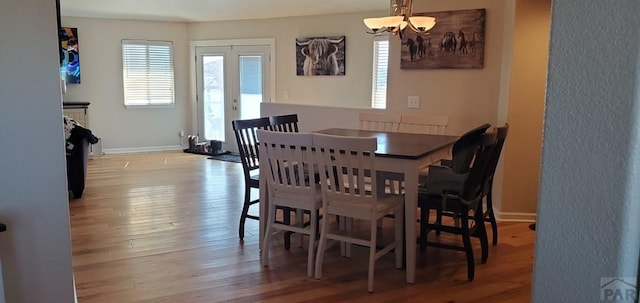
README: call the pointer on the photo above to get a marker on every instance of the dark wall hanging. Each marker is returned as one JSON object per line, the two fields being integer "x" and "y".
{"x": 457, "y": 41}
{"x": 318, "y": 56}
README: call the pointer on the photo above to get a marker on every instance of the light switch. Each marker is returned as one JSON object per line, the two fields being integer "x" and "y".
{"x": 413, "y": 102}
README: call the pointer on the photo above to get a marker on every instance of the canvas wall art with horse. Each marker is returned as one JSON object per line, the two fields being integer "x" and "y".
{"x": 456, "y": 41}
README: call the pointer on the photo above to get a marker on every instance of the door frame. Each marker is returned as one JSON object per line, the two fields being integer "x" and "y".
{"x": 270, "y": 42}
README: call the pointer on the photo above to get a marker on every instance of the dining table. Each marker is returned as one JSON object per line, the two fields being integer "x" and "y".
{"x": 402, "y": 153}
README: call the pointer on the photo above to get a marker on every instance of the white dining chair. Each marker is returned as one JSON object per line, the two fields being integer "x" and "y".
{"x": 350, "y": 197}
{"x": 387, "y": 122}
{"x": 433, "y": 125}
{"x": 292, "y": 183}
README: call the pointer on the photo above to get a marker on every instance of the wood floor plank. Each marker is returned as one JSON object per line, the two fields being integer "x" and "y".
{"x": 162, "y": 227}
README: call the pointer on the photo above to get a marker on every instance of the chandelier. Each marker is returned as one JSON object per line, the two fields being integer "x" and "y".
{"x": 402, "y": 17}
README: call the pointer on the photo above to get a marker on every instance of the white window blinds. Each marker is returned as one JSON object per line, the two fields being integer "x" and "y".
{"x": 147, "y": 70}
{"x": 380, "y": 64}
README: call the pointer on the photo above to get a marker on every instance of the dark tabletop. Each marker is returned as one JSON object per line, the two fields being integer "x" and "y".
{"x": 398, "y": 145}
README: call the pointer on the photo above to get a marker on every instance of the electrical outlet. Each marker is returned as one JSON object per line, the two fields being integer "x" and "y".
{"x": 413, "y": 102}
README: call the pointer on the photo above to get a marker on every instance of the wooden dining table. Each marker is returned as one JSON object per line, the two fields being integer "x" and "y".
{"x": 402, "y": 153}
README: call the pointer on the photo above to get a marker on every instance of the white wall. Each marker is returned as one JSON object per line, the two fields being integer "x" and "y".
{"x": 589, "y": 202}
{"x": 101, "y": 68}
{"x": 508, "y": 89}
{"x": 147, "y": 129}
{"x": 351, "y": 90}
{"x": 468, "y": 96}
{"x": 316, "y": 117}
{"x": 526, "y": 94}
{"x": 36, "y": 249}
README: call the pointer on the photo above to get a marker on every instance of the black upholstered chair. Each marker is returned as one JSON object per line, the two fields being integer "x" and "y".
{"x": 459, "y": 195}
{"x": 501, "y": 133}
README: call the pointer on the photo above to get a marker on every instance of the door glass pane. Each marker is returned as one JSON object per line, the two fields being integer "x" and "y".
{"x": 213, "y": 97}
{"x": 250, "y": 86}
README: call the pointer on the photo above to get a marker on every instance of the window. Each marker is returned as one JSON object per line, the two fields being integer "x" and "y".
{"x": 147, "y": 72}
{"x": 380, "y": 64}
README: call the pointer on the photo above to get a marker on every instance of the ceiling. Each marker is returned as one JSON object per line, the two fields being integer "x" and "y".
{"x": 213, "y": 10}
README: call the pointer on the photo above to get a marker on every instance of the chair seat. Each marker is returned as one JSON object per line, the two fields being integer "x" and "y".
{"x": 386, "y": 203}
{"x": 435, "y": 202}
{"x": 289, "y": 199}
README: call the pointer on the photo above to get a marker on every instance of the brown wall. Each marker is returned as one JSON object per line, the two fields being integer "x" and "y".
{"x": 526, "y": 106}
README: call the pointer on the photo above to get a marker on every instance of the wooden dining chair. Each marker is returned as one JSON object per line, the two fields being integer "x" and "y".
{"x": 387, "y": 122}
{"x": 284, "y": 123}
{"x": 291, "y": 178}
{"x": 460, "y": 196}
{"x": 379, "y": 121}
{"x": 349, "y": 196}
{"x": 247, "y": 140}
{"x": 433, "y": 125}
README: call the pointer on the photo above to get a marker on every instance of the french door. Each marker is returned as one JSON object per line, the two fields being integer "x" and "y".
{"x": 231, "y": 82}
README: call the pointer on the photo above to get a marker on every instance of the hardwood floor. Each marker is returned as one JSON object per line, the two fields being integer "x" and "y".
{"x": 162, "y": 227}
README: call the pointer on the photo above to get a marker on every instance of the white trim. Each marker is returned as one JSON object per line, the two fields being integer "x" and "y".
{"x": 514, "y": 217}
{"x": 146, "y": 149}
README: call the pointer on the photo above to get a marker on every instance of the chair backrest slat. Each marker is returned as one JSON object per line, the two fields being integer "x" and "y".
{"x": 284, "y": 123}
{"x": 466, "y": 147}
{"x": 247, "y": 140}
{"x": 433, "y": 125}
{"x": 343, "y": 162}
{"x": 289, "y": 162}
{"x": 474, "y": 185}
{"x": 501, "y": 136}
{"x": 379, "y": 121}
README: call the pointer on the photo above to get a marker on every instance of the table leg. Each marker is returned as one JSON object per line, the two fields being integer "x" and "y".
{"x": 410, "y": 204}
{"x": 264, "y": 208}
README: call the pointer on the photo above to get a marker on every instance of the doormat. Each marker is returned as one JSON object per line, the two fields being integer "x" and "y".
{"x": 227, "y": 157}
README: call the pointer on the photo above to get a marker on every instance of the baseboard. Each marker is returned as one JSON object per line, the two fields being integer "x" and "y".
{"x": 146, "y": 149}
{"x": 514, "y": 217}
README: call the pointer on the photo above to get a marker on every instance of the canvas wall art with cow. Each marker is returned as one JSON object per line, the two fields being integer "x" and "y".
{"x": 320, "y": 56}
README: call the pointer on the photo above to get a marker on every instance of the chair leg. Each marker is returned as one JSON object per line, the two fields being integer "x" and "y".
{"x": 438, "y": 220}
{"x": 424, "y": 220}
{"x": 399, "y": 229}
{"x": 313, "y": 217}
{"x": 484, "y": 244}
{"x": 324, "y": 228}
{"x": 268, "y": 235}
{"x": 481, "y": 232}
{"x": 372, "y": 254}
{"x": 300, "y": 221}
{"x": 287, "y": 220}
{"x": 466, "y": 239}
{"x": 492, "y": 218}
{"x": 343, "y": 227}
{"x": 348, "y": 245}
{"x": 245, "y": 211}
